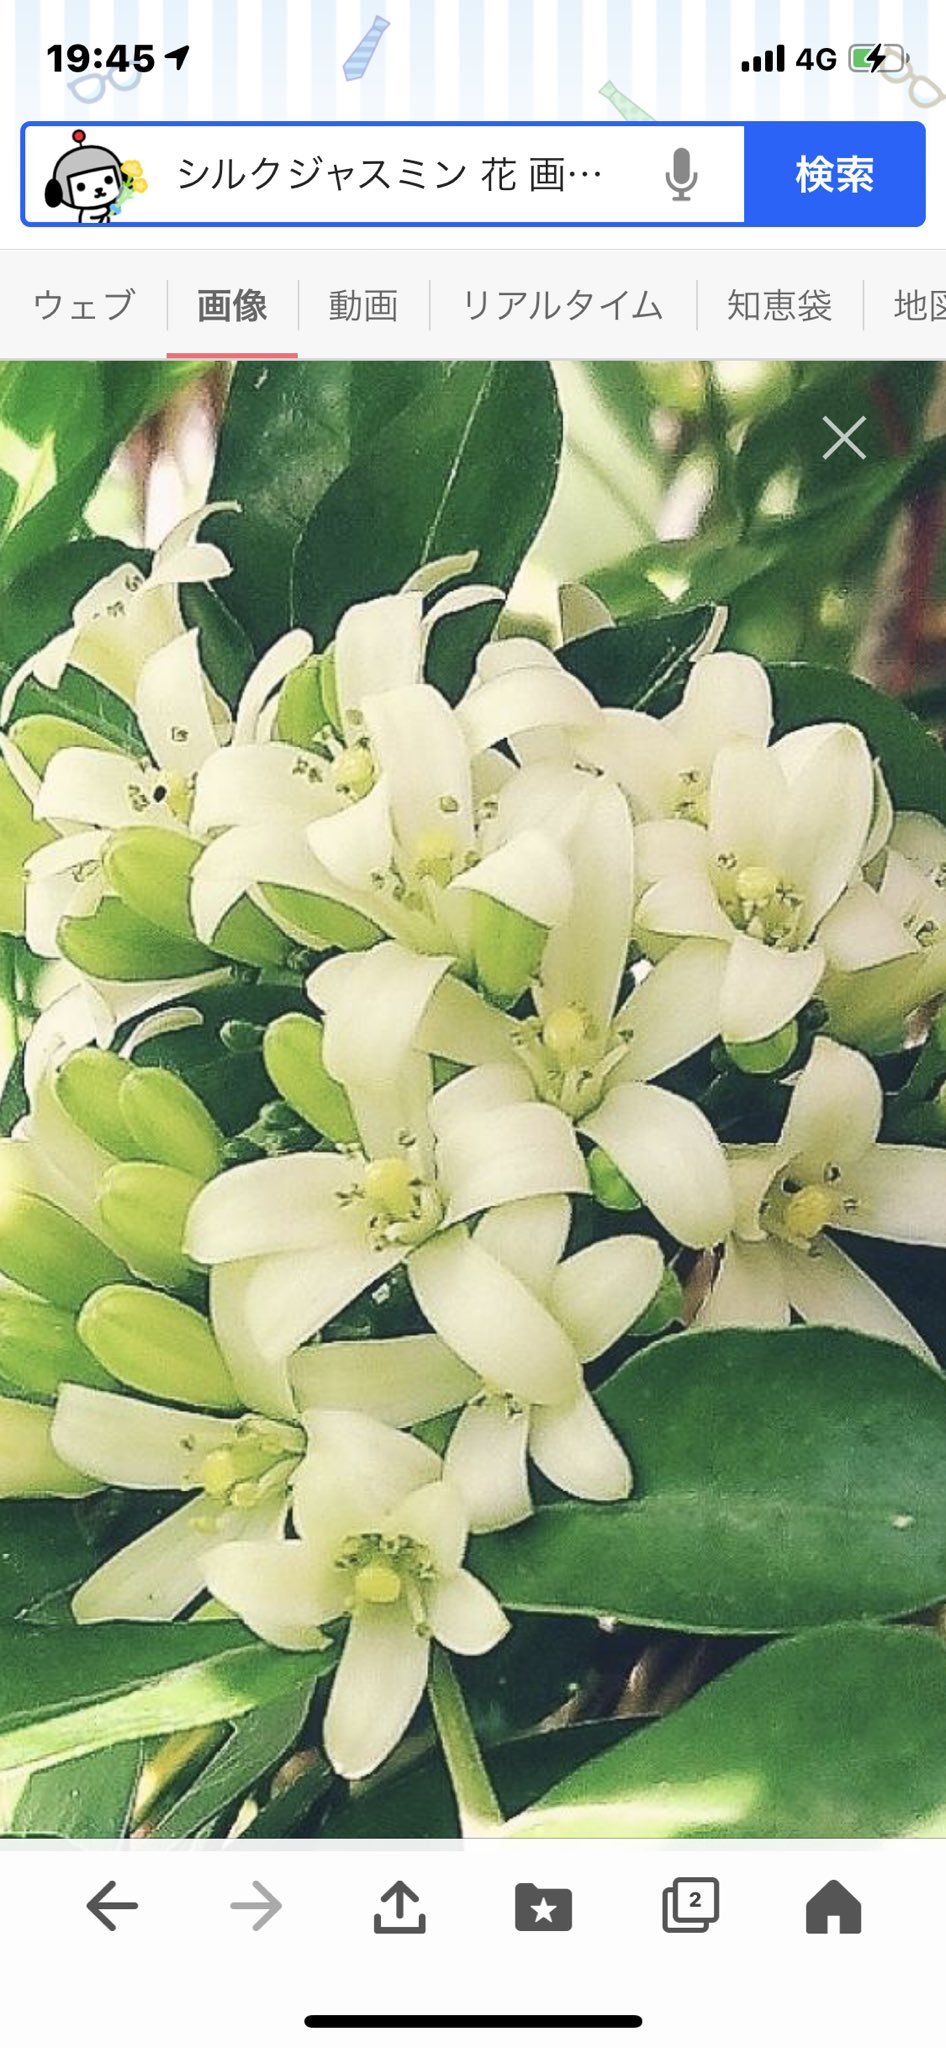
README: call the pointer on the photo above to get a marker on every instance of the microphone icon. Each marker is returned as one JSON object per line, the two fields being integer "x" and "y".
{"x": 682, "y": 181}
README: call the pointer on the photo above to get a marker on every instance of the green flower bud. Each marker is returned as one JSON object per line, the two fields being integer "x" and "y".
{"x": 292, "y": 1055}
{"x": 39, "y": 1349}
{"x": 608, "y": 1184}
{"x": 89, "y": 1087}
{"x": 50, "y": 1254}
{"x": 144, "y": 1210}
{"x": 20, "y": 835}
{"x": 666, "y": 1308}
{"x": 29, "y": 1467}
{"x": 44, "y": 735}
{"x": 169, "y": 1123}
{"x": 308, "y": 701}
{"x": 115, "y": 944}
{"x": 151, "y": 869}
{"x": 157, "y": 1346}
{"x": 318, "y": 922}
{"x": 507, "y": 949}
{"x": 766, "y": 1055}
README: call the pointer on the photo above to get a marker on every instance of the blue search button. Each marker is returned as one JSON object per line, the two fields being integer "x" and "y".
{"x": 835, "y": 174}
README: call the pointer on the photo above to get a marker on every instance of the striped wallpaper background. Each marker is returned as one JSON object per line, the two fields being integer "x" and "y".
{"x": 469, "y": 58}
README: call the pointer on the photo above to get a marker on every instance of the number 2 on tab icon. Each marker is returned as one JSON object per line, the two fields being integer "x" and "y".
{"x": 690, "y": 1905}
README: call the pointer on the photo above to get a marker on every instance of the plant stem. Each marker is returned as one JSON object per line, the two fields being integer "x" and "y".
{"x": 477, "y": 1805}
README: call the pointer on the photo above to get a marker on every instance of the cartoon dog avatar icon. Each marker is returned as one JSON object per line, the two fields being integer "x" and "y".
{"x": 88, "y": 179}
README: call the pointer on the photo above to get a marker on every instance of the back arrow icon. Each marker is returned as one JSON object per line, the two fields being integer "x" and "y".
{"x": 98, "y": 1905}
{"x": 270, "y": 1906}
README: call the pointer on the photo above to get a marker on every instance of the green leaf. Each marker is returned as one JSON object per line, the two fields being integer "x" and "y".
{"x": 65, "y": 1692}
{"x": 785, "y": 1479}
{"x": 418, "y": 1802}
{"x": 48, "y": 1547}
{"x": 226, "y": 651}
{"x": 288, "y": 432}
{"x": 912, "y": 760}
{"x": 471, "y": 463}
{"x": 88, "y": 1796}
{"x": 251, "y": 1752}
{"x": 641, "y": 664}
{"x": 39, "y": 603}
{"x": 838, "y": 1733}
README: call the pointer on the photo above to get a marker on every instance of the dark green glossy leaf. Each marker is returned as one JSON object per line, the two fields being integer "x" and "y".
{"x": 252, "y": 1751}
{"x": 48, "y": 1547}
{"x": 418, "y": 1802}
{"x": 642, "y": 664}
{"x": 838, "y": 1733}
{"x": 913, "y": 762}
{"x": 289, "y": 431}
{"x": 226, "y": 651}
{"x": 471, "y": 463}
{"x": 69, "y": 1691}
{"x": 784, "y": 1479}
{"x": 87, "y": 1796}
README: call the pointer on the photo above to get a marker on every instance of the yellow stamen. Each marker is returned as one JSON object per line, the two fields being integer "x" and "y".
{"x": 809, "y": 1210}
{"x": 390, "y": 1188}
{"x": 565, "y": 1034}
{"x": 353, "y": 771}
{"x": 377, "y": 1583}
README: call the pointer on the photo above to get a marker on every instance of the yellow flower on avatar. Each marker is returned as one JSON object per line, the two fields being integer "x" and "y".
{"x": 133, "y": 175}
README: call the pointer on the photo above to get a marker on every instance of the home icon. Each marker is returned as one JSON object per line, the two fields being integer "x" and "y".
{"x": 833, "y": 1903}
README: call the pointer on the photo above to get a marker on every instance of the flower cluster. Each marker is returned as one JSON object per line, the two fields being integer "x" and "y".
{"x": 571, "y": 1030}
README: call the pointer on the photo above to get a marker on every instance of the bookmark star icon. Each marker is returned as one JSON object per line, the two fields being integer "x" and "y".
{"x": 543, "y": 1911}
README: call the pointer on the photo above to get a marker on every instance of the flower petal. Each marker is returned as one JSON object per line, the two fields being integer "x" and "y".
{"x": 825, "y": 1286}
{"x": 586, "y": 955}
{"x": 373, "y": 1004}
{"x": 670, "y": 1154}
{"x": 172, "y": 707}
{"x": 377, "y": 1467}
{"x": 134, "y": 1443}
{"x": 400, "y": 1380}
{"x": 727, "y": 697}
{"x": 355, "y": 843}
{"x": 92, "y": 787}
{"x": 242, "y": 785}
{"x": 574, "y": 1448}
{"x": 529, "y": 874}
{"x": 378, "y": 1686}
{"x": 465, "y": 1616}
{"x": 264, "y": 1309}
{"x": 599, "y": 1292}
{"x": 528, "y": 1238}
{"x": 436, "y": 1517}
{"x": 377, "y": 647}
{"x": 418, "y": 743}
{"x": 472, "y": 1095}
{"x": 283, "y": 1591}
{"x": 521, "y": 695}
{"x": 834, "y": 1111}
{"x": 273, "y": 1205}
{"x": 490, "y": 1320}
{"x": 286, "y": 653}
{"x": 507, "y": 1155}
{"x": 826, "y": 820}
{"x": 764, "y": 988}
{"x": 747, "y": 797}
{"x": 462, "y": 1026}
{"x": 862, "y": 930}
{"x": 674, "y": 1010}
{"x": 486, "y": 1460}
{"x": 749, "y": 1292}
{"x": 162, "y": 1572}
{"x": 900, "y": 1191}
{"x": 683, "y": 905}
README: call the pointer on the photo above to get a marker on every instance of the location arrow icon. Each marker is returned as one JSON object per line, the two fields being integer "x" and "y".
{"x": 265, "y": 1905}
{"x": 97, "y": 1906}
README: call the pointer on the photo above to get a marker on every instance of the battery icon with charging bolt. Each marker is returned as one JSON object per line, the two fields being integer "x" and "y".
{"x": 863, "y": 57}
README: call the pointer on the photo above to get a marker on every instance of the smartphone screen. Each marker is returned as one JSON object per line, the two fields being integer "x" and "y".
{"x": 472, "y": 1029}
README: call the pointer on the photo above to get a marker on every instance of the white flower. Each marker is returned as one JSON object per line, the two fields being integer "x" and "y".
{"x": 886, "y": 943}
{"x": 378, "y": 813}
{"x": 237, "y": 1473}
{"x": 127, "y": 617}
{"x": 90, "y": 792}
{"x": 787, "y": 827}
{"x": 292, "y": 1241}
{"x": 826, "y": 1173}
{"x": 522, "y": 694}
{"x": 584, "y": 1052}
{"x": 381, "y": 1539}
{"x": 530, "y": 1398}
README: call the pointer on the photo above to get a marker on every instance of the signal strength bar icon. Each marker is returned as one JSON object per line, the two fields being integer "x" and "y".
{"x": 769, "y": 60}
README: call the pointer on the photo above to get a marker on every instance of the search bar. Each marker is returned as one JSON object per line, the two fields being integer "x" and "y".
{"x": 457, "y": 174}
